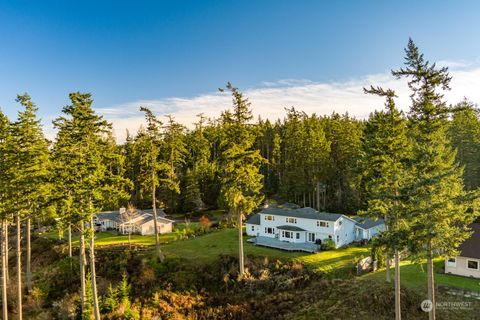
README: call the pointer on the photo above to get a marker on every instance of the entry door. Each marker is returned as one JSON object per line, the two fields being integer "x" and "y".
{"x": 311, "y": 237}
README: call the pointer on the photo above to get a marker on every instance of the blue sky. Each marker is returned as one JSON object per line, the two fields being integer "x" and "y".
{"x": 130, "y": 52}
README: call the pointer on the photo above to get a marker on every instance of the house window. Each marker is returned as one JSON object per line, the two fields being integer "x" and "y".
{"x": 291, "y": 220}
{"x": 338, "y": 238}
{"x": 311, "y": 237}
{"x": 340, "y": 222}
{"x": 452, "y": 262}
{"x": 269, "y": 218}
{"x": 253, "y": 228}
{"x": 269, "y": 230}
{"x": 322, "y": 224}
{"x": 287, "y": 234}
{"x": 298, "y": 235}
{"x": 472, "y": 264}
{"x": 330, "y": 237}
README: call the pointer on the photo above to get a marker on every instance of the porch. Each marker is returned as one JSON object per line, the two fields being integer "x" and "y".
{"x": 283, "y": 245}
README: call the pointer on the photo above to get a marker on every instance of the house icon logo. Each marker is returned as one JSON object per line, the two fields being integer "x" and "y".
{"x": 426, "y": 305}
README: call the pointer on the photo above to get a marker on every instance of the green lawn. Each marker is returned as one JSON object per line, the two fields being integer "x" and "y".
{"x": 413, "y": 276}
{"x": 208, "y": 247}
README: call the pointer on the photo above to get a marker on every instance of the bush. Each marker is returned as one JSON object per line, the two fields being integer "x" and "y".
{"x": 327, "y": 244}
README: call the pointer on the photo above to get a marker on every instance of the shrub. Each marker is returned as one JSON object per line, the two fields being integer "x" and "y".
{"x": 327, "y": 244}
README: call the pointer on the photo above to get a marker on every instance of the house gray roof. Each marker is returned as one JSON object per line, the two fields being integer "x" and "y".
{"x": 367, "y": 223}
{"x": 470, "y": 248}
{"x": 150, "y": 218}
{"x": 116, "y": 216}
{"x": 307, "y": 213}
{"x": 160, "y": 212}
{"x": 254, "y": 219}
{"x": 290, "y": 228}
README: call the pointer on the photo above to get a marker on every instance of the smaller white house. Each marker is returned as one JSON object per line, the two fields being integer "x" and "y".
{"x": 295, "y": 225}
{"x": 367, "y": 228}
{"x": 133, "y": 221}
{"x": 468, "y": 262}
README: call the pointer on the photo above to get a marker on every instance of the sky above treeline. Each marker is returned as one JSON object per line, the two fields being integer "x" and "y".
{"x": 172, "y": 56}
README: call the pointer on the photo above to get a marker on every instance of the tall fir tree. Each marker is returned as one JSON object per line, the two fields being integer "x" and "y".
{"x": 33, "y": 172}
{"x": 151, "y": 165}
{"x": 438, "y": 203}
{"x": 464, "y": 133}
{"x": 5, "y": 202}
{"x": 241, "y": 181}
{"x": 84, "y": 138}
{"x": 386, "y": 152}
{"x": 30, "y": 178}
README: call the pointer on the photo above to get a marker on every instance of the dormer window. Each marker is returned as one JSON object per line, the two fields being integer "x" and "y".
{"x": 291, "y": 220}
{"x": 270, "y": 218}
{"x": 323, "y": 224}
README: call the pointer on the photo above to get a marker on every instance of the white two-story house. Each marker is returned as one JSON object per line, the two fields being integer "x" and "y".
{"x": 307, "y": 225}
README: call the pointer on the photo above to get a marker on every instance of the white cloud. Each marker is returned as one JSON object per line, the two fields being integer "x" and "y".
{"x": 271, "y": 98}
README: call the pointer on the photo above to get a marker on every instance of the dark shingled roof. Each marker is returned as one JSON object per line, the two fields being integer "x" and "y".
{"x": 471, "y": 247}
{"x": 307, "y": 213}
{"x": 367, "y": 223}
{"x": 115, "y": 215}
{"x": 254, "y": 219}
{"x": 290, "y": 228}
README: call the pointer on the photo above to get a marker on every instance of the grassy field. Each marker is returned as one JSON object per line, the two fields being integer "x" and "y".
{"x": 111, "y": 238}
{"x": 208, "y": 247}
{"x": 415, "y": 276}
{"x": 336, "y": 263}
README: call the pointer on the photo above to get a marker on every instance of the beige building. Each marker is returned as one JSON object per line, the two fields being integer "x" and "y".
{"x": 468, "y": 262}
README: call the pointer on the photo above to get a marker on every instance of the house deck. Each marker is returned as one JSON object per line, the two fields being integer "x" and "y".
{"x": 283, "y": 245}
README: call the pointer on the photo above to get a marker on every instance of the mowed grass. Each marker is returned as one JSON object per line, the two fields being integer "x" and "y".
{"x": 208, "y": 247}
{"x": 414, "y": 276}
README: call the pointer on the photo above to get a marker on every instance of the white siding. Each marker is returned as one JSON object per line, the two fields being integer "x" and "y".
{"x": 460, "y": 267}
{"x": 252, "y": 229}
{"x": 344, "y": 231}
{"x": 148, "y": 228}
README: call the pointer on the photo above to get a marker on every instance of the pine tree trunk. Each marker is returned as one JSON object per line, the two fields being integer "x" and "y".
{"x": 388, "y": 276}
{"x": 69, "y": 240}
{"x": 29, "y": 257}
{"x": 304, "y": 199}
{"x": 4, "y": 271}
{"x": 387, "y": 256}
{"x": 318, "y": 196}
{"x": 398, "y": 310}
{"x": 96, "y": 310}
{"x": 7, "y": 250}
{"x": 19, "y": 268}
{"x": 430, "y": 281}
{"x": 83, "y": 292}
{"x": 158, "y": 251}
{"x": 240, "y": 245}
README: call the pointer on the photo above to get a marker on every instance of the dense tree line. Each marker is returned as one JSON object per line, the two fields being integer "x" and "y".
{"x": 419, "y": 171}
